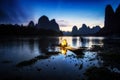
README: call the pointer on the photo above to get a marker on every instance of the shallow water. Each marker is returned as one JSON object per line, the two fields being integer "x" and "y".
{"x": 15, "y": 51}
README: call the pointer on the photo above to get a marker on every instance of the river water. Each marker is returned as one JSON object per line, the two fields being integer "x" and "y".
{"x": 18, "y": 58}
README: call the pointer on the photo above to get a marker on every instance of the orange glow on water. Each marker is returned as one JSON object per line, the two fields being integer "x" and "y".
{"x": 63, "y": 50}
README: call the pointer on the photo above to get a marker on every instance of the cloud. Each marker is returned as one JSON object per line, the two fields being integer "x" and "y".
{"x": 63, "y": 23}
{"x": 11, "y": 12}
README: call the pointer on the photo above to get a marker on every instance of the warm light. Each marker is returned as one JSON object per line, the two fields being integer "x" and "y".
{"x": 63, "y": 50}
{"x": 63, "y": 46}
{"x": 63, "y": 43}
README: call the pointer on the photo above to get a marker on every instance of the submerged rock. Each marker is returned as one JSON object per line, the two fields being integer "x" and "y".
{"x": 81, "y": 66}
{"x": 39, "y": 69}
{"x": 102, "y": 73}
{"x": 31, "y": 61}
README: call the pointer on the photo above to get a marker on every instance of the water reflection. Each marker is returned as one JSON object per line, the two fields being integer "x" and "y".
{"x": 90, "y": 41}
{"x": 74, "y": 41}
{"x": 42, "y": 58}
{"x": 63, "y": 50}
{"x": 43, "y": 44}
{"x": 31, "y": 44}
{"x": 46, "y": 43}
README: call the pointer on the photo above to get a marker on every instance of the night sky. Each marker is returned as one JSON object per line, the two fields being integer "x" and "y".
{"x": 66, "y": 12}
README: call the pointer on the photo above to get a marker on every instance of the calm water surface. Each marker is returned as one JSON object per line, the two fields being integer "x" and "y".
{"x": 67, "y": 66}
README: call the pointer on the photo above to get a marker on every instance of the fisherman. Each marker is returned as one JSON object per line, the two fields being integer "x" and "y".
{"x": 64, "y": 43}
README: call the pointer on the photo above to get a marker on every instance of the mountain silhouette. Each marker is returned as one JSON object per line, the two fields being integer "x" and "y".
{"x": 95, "y": 29}
{"x": 117, "y": 21}
{"x": 109, "y": 14}
{"x": 44, "y": 23}
{"x": 84, "y": 30}
{"x": 112, "y": 22}
{"x": 74, "y": 30}
{"x": 53, "y": 25}
{"x": 31, "y": 24}
{"x": 44, "y": 27}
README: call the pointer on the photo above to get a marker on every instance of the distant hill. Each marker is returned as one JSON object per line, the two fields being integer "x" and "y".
{"x": 66, "y": 33}
{"x": 44, "y": 27}
{"x": 85, "y": 30}
{"x": 112, "y": 22}
{"x": 44, "y": 23}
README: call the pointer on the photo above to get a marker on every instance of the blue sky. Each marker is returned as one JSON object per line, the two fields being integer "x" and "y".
{"x": 66, "y": 12}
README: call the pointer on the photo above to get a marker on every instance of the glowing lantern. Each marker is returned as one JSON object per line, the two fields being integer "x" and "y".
{"x": 64, "y": 43}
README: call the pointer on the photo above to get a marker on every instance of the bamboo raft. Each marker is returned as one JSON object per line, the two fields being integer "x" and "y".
{"x": 75, "y": 50}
